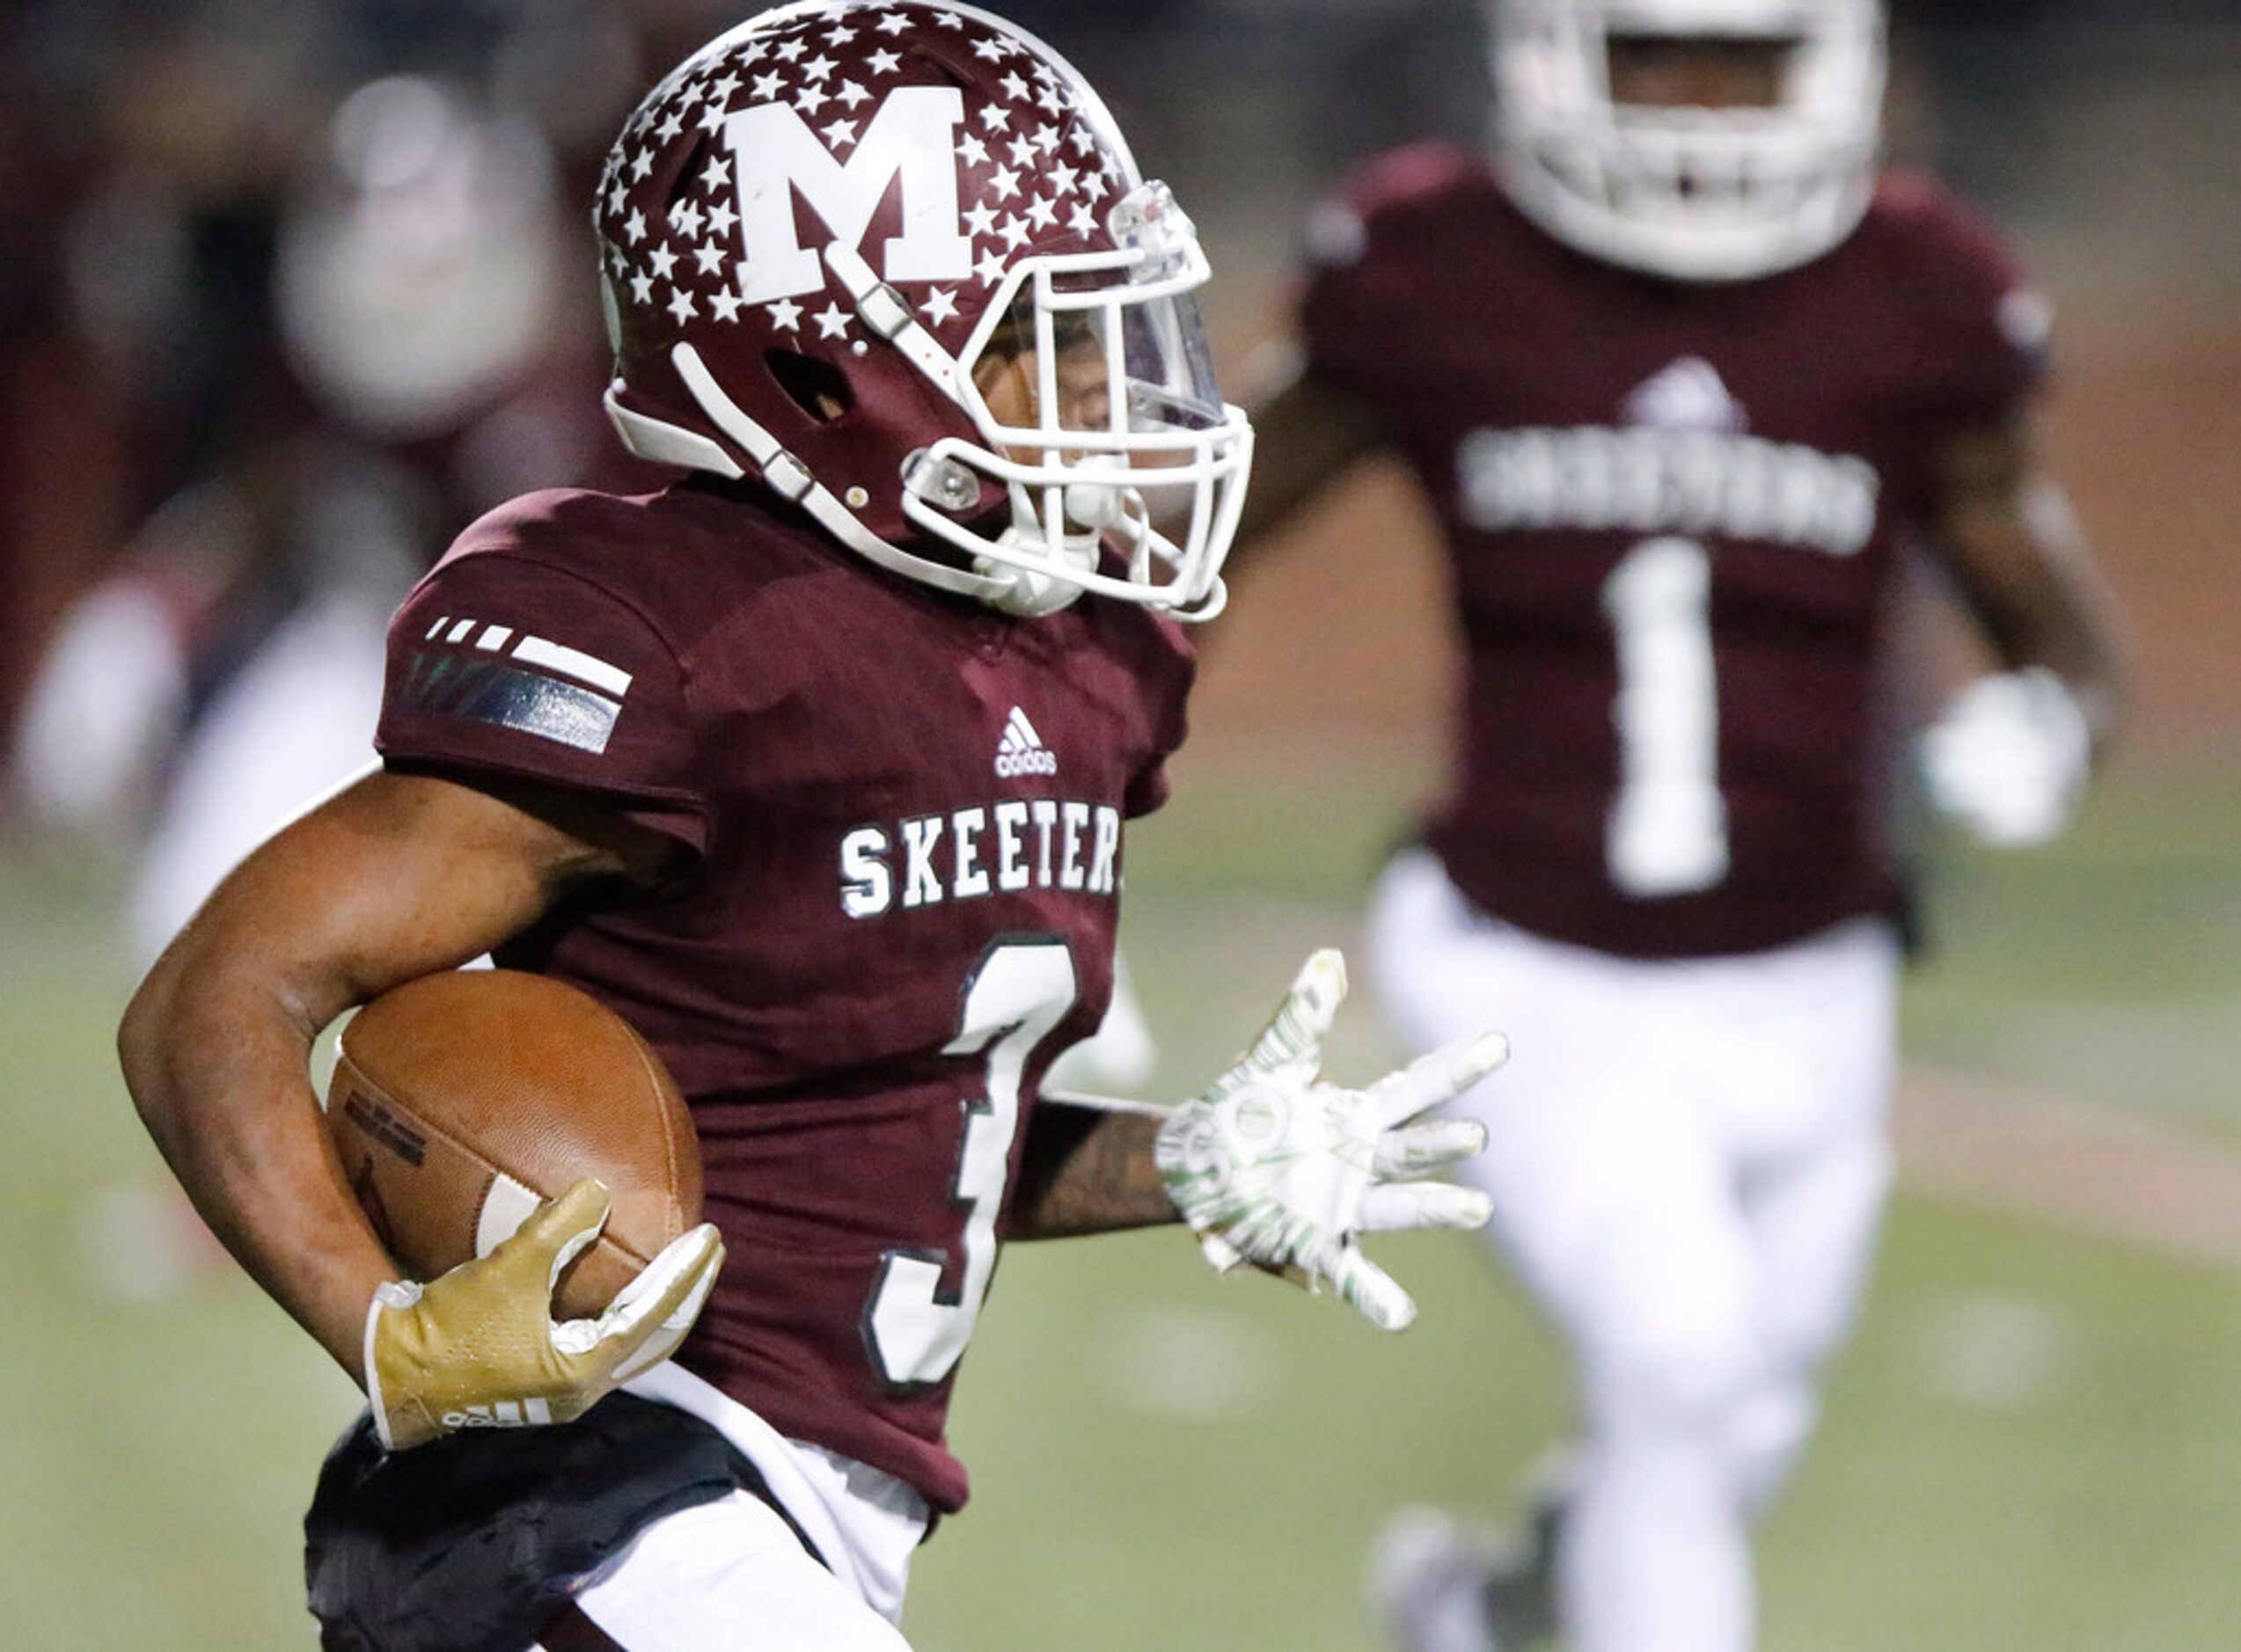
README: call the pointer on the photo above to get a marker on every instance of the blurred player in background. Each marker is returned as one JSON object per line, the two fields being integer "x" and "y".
{"x": 1685, "y": 382}
{"x": 411, "y": 363}
{"x": 814, "y": 766}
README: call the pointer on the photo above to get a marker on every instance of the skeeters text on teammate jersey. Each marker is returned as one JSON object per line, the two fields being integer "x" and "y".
{"x": 1673, "y": 512}
{"x": 903, "y": 818}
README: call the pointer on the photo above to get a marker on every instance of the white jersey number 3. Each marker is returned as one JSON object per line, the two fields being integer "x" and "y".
{"x": 1020, "y": 992}
{"x": 1667, "y": 833}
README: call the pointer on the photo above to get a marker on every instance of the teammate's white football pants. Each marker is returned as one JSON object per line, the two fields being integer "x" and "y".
{"x": 1687, "y": 1160}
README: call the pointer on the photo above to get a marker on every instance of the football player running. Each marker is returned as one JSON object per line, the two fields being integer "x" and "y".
{"x": 1682, "y": 377}
{"x": 814, "y": 766}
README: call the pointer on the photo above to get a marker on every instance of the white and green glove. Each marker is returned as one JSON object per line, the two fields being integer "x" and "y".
{"x": 1276, "y": 1168}
{"x": 478, "y": 1347}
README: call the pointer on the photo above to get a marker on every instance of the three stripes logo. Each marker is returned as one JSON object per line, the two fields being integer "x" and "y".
{"x": 1021, "y": 751}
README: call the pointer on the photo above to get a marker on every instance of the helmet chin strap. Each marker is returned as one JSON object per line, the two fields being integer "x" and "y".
{"x": 792, "y": 481}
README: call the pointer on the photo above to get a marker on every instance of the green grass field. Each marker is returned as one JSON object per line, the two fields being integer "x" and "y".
{"x": 2035, "y": 1442}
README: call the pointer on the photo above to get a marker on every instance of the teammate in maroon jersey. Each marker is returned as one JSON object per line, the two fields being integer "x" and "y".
{"x": 815, "y": 767}
{"x": 1682, "y": 379}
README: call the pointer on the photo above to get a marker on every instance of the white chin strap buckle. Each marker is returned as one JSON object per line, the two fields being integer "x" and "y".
{"x": 1031, "y": 591}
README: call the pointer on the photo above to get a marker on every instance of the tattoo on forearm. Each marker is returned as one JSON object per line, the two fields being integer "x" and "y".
{"x": 1087, "y": 1172}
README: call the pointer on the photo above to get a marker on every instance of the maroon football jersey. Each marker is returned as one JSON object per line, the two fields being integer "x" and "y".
{"x": 1673, "y": 512}
{"x": 905, "y": 817}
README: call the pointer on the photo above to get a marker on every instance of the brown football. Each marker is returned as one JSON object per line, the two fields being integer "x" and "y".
{"x": 459, "y": 1100}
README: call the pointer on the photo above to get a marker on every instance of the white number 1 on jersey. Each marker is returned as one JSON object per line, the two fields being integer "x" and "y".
{"x": 1020, "y": 992}
{"x": 1667, "y": 833}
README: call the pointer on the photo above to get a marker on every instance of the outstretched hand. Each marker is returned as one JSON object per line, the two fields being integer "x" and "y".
{"x": 1273, "y": 1166}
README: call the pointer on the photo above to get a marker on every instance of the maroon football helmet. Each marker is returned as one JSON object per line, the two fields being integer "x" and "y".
{"x": 894, "y": 257}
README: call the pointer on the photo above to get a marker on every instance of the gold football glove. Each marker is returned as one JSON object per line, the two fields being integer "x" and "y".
{"x": 478, "y": 1347}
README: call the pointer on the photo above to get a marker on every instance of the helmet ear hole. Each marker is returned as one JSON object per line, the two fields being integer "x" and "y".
{"x": 815, "y": 386}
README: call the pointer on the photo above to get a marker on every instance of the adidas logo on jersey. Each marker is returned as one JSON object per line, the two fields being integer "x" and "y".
{"x": 1689, "y": 395}
{"x": 1021, "y": 751}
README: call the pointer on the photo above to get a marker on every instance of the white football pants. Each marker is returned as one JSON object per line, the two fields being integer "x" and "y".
{"x": 732, "y": 1573}
{"x": 1687, "y": 1161}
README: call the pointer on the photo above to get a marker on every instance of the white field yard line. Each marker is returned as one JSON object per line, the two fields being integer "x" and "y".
{"x": 2091, "y": 1168}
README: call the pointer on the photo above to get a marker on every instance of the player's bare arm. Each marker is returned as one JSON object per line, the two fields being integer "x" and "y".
{"x": 1088, "y": 1169}
{"x": 2004, "y": 528}
{"x": 2009, "y": 755}
{"x": 396, "y": 878}
{"x": 1309, "y": 434}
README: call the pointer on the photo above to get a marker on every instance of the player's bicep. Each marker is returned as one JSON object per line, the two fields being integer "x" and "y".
{"x": 399, "y": 876}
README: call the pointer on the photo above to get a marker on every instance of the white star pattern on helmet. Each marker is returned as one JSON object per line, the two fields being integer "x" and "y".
{"x": 1016, "y": 196}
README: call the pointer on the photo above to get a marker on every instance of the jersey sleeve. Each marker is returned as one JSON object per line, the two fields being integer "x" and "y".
{"x": 1986, "y": 328}
{"x": 502, "y": 665}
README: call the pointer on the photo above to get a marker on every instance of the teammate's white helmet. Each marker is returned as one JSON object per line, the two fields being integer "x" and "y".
{"x": 1693, "y": 194}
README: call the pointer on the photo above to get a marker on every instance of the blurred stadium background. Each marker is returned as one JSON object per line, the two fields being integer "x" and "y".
{"x": 2036, "y": 1440}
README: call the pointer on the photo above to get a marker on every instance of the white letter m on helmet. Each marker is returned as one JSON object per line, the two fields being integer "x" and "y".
{"x": 774, "y": 153}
